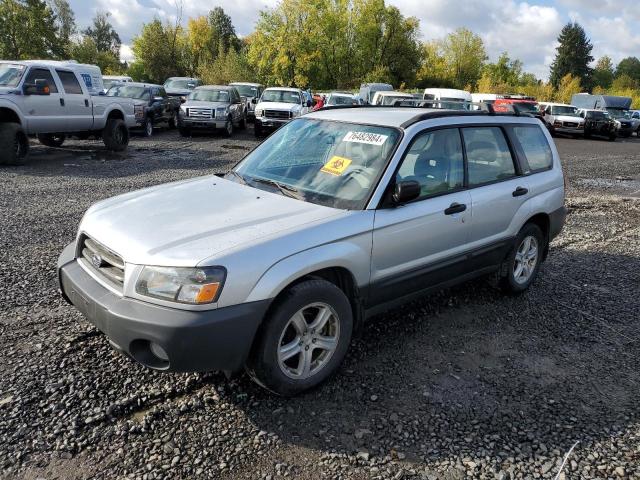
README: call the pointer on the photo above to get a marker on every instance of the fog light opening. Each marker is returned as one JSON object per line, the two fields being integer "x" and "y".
{"x": 149, "y": 354}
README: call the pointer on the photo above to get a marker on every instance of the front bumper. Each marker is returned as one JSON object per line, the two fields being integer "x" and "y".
{"x": 209, "y": 123}
{"x": 193, "y": 341}
{"x": 264, "y": 122}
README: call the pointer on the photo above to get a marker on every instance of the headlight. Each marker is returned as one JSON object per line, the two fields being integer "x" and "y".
{"x": 295, "y": 113}
{"x": 222, "y": 112}
{"x": 183, "y": 109}
{"x": 194, "y": 286}
{"x": 258, "y": 112}
{"x": 138, "y": 110}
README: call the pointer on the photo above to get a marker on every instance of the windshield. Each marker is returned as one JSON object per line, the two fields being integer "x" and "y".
{"x": 598, "y": 115}
{"x": 564, "y": 110}
{"x": 206, "y": 95}
{"x": 335, "y": 164}
{"x": 246, "y": 90}
{"x": 110, "y": 83}
{"x": 619, "y": 113}
{"x": 529, "y": 107}
{"x": 284, "y": 96}
{"x": 340, "y": 100}
{"x": 129, "y": 91}
{"x": 181, "y": 84}
{"x": 10, "y": 74}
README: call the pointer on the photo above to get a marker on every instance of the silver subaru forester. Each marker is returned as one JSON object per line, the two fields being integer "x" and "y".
{"x": 339, "y": 215}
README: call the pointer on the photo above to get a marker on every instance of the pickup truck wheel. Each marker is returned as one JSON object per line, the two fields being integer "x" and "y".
{"x": 173, "y": 121}
{"x": 523, "y": 262}
{"x": 115, "y": 135}
{"x": 243, "y": 123}
{"x": 612, "y": 138}
{"x": 228, "y": 127}
{"x": 184, "y": 132}
{"x": 303, "y": 339}
{"x": 148, "y": 127}
{"x": 51, "y": 139}
{"x": 14, "y": 144}
{"x": 257, "y": 130}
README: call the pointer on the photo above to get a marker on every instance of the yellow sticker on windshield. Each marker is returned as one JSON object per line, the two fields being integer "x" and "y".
{"x": 336, "y": 165}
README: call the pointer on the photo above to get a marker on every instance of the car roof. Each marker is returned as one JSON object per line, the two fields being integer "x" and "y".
{"x": 402, "y": 117}
{"x": 552, "y": 104}
{"x": 181, "y": 78}
{"x": 393, "y": 93}
{"x": 246, "y": 83}
{"x": 140, "y": 84}
{"x": 288, "y": 89}
{"x": 215, "y": 87}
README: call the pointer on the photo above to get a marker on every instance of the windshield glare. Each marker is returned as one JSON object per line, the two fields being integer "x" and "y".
{"x": 246, "y": 90}
{"x": 184, "y": 84}
{"x": 206, "y": 95}
{"x": 10, "y": 74}
{"x": 129, "y": 91}
{"x": 334, "y": 164}
{"x": 283, "y": 96}
{"x": 564, "y": 110}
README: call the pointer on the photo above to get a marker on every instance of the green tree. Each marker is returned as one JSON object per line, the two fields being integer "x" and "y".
{"x": 603, "y": 72}
{"x": 573, "y": 56}
{"x": 222, "y": 33}
{"x": 160, "y": 51}
{"x": 85, "y": 50}
{"x": 629, "y": 66}
{"x": 28, "y": 30}
{"x": 103, "y": 34}
{"x": 624, "y": 82}
{"x": 65, "y": 21}
{"x": 227, "y": 67}
{"x": 568, "y": 86}
{"x": 504, "y": 71}
{"x": 465, "y": 55}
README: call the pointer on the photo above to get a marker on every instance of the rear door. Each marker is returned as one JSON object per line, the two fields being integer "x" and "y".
{"x": 423, "y": 243}
{"x": 44, "y": 113}
{"x": 77, "y": 106}
{"x": 498, "y": 189}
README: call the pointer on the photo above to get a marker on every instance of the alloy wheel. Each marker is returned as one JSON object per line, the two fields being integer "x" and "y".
{"x": 526, "y": 259}
{"x": 308, "y": 341}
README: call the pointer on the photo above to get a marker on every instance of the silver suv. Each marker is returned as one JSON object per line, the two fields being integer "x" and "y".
{"x": 339, "y": 215}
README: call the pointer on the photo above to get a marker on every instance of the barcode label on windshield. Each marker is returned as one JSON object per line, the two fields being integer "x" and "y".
{"x": 365, "y": 137}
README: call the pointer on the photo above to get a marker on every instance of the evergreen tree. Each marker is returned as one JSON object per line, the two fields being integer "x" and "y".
{"x": 104, "y": 35}
{"x": 573, "y": 56}
{"x": 603, "y": 73}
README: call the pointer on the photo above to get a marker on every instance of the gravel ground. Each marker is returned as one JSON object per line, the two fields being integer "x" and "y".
{"x": 467, "y": 383}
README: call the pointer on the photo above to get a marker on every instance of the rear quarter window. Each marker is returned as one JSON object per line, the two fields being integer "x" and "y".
{"x": 488, "y": 156}
{"x": 535, "y": 147}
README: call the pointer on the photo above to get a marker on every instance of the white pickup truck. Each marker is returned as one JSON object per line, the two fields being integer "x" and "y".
{"x": 53, "y": 100}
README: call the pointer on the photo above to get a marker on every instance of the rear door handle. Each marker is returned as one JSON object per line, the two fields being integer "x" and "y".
{"x": 520, "y": 191}
{"x": 62, "y": 102}
{"x": 455, "y": 208}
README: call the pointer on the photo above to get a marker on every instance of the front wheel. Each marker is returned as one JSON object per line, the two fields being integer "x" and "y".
{"x": 243, "y": 122}
{"x": 14, "y": 144}
{"x": 51, "y": 139}
{"x": 173, "y": 121}
{"x": 147, "y": 130}
{"x": 184, "y": 132}
{"x": 228, "y": 127}
{"x": 303, "y": 339}
{"x": 612, "y": 138}
{"x": 115, "y": 135}
{"x": 523, "y": 262}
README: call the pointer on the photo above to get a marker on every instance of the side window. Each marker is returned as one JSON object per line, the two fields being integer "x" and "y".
{"x": 549, "y": 110}
{"x": 535, "y": 147}
{"x": 488, "y": 155}
{"x": 69, "y": 81}
{"x": 42, "y": 74}
{"x": 435, "y": 161}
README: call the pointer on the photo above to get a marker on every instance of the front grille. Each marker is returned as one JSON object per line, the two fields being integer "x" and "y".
{"x": 570, "y": 124}
{"x": 625, "y": 124}
{"x": 99, "y": 259}
{"x": 277, "y": 114}
{"x": 196, "y": 112}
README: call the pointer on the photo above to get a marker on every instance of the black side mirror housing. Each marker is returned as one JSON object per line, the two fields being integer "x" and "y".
{"x": 405, "y": 191}
{"x": 254, "y": 100}
{"x": 39, "y": 87}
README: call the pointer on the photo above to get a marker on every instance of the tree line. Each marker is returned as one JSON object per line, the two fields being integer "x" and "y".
{"x": 331, "y": 44}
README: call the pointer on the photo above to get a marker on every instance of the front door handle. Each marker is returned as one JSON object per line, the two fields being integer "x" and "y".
{"x": 520, "y": 191}
{"x": 455, "y": 208}
{"x": 86, "y": 102}
{"x": 62, "y": 102}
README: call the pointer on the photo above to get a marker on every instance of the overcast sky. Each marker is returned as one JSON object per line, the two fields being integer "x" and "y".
{"x": 527, "y": 30}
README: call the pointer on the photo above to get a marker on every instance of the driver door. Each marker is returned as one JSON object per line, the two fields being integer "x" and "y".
{"x": 44, "y": 113}
{"x": 422, "y": 244}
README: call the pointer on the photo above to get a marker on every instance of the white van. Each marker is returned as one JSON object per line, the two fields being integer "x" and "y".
{"x": 390, "y": 98}
{"x": 448, "y": 98}
{"x": 111, "y": 80}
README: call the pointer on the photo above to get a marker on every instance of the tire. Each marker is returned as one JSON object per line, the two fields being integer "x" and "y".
{"x": 228, "y": 127}
{"x": 511, "y": 280}
{"x": 257, "y": 130}
{"x": 184, "y": 132}
{"x": 587, "y": 134}
{"x": 14, "y": 144}
{"x": 51, "y": 139}
{"x": 115, "y": 135}
{"x": 147, "y": 129}
{"x": 302, "y": 371}
{"x": 612, "y": 138}
{"x": 243, "y": 122}
{"x": 173, "y": 121}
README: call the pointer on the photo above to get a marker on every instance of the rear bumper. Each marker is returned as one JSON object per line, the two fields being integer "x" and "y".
{"x": 556, "y": 222}
{"x": 192, "y": 341}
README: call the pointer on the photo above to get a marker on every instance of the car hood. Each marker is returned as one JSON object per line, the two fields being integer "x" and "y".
{"x": 9, "y": 90}
{"x": 183, "y": 223}
{"x": 178, "y": 91}
{"x": 289, "y": 107}
{"x": 199, "y": 103}
{"x": 568, "y": 118}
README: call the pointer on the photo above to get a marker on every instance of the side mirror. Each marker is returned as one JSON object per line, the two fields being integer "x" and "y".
{"x": 405, "y": 191}
{"x": 254, "y": 100}
{"x": 39, "y": 87}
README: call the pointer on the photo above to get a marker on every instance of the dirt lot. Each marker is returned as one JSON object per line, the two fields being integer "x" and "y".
{"x": 467, "y": 383}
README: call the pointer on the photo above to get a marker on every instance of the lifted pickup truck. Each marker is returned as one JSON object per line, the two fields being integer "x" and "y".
{"x": 53, "y": 100}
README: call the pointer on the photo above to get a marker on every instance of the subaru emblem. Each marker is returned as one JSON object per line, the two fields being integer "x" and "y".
{"x": 96, "y": 260}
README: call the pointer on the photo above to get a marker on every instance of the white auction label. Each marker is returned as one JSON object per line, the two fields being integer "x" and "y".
{"x": 365, "y": 137}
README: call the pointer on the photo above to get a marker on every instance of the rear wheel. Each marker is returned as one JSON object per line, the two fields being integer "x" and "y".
{"x": 523, "y": 262}
{"x": 147, "y": 130}
{"x": 115, "y": 135}
{"x": 14, "y": 144}
{"x": 51, "y": 139}
{"x": 303, "y": 339}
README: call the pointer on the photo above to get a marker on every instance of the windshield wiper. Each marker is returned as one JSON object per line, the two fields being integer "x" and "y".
{"x": 237, "y": 175}
{"x": 286, "y": 190}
